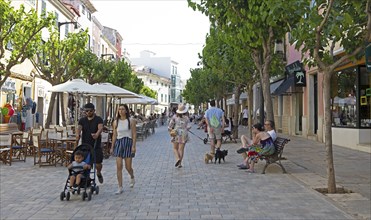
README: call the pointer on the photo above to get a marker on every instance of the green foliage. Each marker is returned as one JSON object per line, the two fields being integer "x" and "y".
{"x": 56, "y": 59}
{"x": 145, "y": 90}
{"x": 345, "y": 25}
{"x": 198, "y": 88}
{"x": 118, "y": 73}
{"x": 21, "y": 30}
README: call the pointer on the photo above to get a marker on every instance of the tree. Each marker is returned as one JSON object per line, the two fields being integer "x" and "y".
{"x": 54, "y": 59}
{"x": 254, "y": 24}
{"x": 20, "y": 33}
{"x": 346, "y": 23}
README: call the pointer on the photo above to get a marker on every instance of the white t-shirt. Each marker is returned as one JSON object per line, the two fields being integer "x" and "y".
{"x": 245, "y": 113}
{"x": 273, "y": 134}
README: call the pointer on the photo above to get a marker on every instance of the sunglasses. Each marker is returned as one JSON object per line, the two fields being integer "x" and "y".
{"x": 89, "y": 110}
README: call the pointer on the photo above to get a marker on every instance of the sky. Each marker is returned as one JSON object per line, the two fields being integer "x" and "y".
{"x": 169, "y": 28}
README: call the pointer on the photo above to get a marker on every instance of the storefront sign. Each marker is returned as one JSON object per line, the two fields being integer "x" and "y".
{"x": 296, "y": 69}
{"x": 368, "y": 57}
{"x": 300, "y": 79}
{"x": 8, "y": 86}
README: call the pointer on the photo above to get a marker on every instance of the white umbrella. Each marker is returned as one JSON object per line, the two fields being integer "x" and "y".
{"x": 142, "y": 99}
{"x": 75, "y": 86}
{"x": 112, "y": 90}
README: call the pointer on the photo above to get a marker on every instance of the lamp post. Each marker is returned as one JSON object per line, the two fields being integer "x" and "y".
{"x": 59, "y": 35}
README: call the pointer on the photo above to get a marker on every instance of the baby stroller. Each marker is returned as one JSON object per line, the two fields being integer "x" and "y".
{"x": 87, "y": 182}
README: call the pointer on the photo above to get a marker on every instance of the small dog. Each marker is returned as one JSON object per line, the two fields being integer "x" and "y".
{"x": 220, "y": 154}
{"x": 208, "y": 158}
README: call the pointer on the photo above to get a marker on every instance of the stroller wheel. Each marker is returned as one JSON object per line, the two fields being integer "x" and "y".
{"x": 63, "y": 194}
{"x": 83, "y": 196}
{"x": 92, "y": 189}
{"x": 97, "y": 190}
{"x": 68, "y": 196}
{"x": 205, "y": 140}
{"x": 89, "y": 196}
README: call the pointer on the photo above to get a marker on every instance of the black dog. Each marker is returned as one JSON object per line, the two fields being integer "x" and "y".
{"x": 220, "y": 154}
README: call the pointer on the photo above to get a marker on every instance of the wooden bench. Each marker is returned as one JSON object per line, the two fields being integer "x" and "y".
{"x": 279, "y": 144}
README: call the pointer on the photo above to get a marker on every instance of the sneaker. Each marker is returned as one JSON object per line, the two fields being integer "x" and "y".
{"x": 242, "y": 150}
{"x": 100, "y": 178}
{"x": 132, "y": 182}
{"x": 240, "y": 165}
{"x": 178, "y": 163}
{"x": 119, "y": 191}
{"x": 180, "y": 166}
{"x": 243, "y": 167}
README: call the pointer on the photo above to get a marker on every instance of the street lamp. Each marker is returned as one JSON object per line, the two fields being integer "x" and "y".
{"x": 59, "y": 35}
{"x": 108, "y": 54}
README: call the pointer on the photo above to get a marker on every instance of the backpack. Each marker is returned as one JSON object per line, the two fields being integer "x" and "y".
{"x": 214, "y": 122}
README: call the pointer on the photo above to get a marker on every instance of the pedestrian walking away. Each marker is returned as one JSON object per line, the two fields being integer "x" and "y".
{"x": 178, "y": 128}
{"x": 89, "y": 129}
{"x": 124, "y": 139}
{"x": 215, "y": 125}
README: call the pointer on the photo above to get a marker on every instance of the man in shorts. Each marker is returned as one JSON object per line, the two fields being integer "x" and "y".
{"x": 90, "y": 128}
{"x": 215, "y": 125}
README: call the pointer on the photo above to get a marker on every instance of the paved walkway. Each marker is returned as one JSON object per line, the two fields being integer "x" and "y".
{"x": 196, "y": 191}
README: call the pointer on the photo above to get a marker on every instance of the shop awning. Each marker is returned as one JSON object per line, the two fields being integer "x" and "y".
{"x": 285, "y": 85}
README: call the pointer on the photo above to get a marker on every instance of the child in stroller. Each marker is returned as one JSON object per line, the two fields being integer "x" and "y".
{"x": 77, "y": 169}
{"x": 79, "y": 173}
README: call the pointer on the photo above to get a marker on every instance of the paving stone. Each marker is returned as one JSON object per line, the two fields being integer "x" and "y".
{"x": 196, "y": 191}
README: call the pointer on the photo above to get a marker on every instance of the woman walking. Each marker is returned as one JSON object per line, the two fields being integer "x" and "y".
{"x": 124, "y": 147}
{"x": 178, "y": 128}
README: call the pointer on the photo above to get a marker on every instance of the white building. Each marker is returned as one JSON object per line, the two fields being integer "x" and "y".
{"x": 158, "y": 83}
{"x": 163, "y": 67}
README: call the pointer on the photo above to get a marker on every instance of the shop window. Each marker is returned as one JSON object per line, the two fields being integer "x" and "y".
{"x": 343, "y": 97}
{"x": 364, "y": 98}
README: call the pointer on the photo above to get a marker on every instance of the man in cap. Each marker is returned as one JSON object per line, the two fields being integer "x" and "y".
{"x": 90, "y": 128}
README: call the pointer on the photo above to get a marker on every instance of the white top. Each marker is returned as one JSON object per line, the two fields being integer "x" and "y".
{"x": 245, "y": 113}
{"x": 123, "y": 129}
{"x": 273, "y": 134}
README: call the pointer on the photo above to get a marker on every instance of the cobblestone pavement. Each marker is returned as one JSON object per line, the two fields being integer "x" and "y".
{"x": 196, "y": 191}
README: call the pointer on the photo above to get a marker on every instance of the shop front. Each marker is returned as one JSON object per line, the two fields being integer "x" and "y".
{"x": 351, "y": 107}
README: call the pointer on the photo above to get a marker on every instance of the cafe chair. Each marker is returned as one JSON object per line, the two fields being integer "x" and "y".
{"x": 5, "y": 148}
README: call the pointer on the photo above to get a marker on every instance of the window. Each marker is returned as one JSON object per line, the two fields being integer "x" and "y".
{"x": 56, "y": 18}
{"x": 150, "y": 81}
{"x": 343, "y": 95}
{"x": 365, "y": 98}
{"x": 43, "y": 9}
{"x": 83, "y": 9}
{"x": 165, "y": 98}
{"x": 89, "y": 16}
{"x": 351, "y": 98}
{"x": 162, "y": 84}
{"x": 157, "y": 83}
{"x": 162, "y": 97}
{"x": 66, "y": 29}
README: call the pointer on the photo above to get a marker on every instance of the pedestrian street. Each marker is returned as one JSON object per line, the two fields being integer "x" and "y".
{"x": 195, "y": 191}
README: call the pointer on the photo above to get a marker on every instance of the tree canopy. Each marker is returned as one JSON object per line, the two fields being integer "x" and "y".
{"x": 20, "y": 34}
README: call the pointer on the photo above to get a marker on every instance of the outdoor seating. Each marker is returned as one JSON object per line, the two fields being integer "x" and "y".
{"x": 19, "y": 146}
{"x": 106, "y": 145}
{"x": 44, "y": 153}
{"x": 5, "y": 148}
{"x": 279, "y": 144}
{"x": 141, "y": 131}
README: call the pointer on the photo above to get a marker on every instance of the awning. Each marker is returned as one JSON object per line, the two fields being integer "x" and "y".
{"x": 281, "y": 89}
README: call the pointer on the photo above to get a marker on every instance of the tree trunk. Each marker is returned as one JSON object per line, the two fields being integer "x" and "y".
{"x": 250, "y": 106}
{"x": 331, "y": 184}
{"x": 236, "y": 113}
{"x": 267, "y": 96}
{"x": 50, "y": 110}
{"x": 62, "y": 109}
